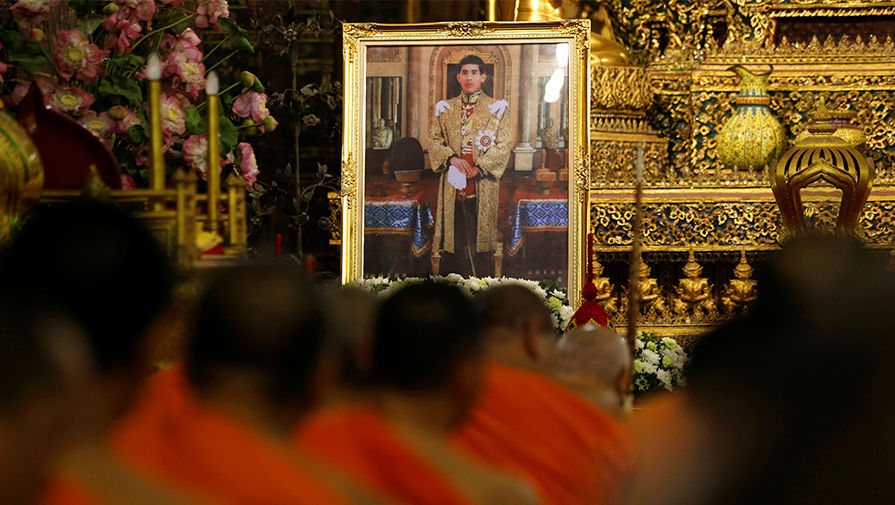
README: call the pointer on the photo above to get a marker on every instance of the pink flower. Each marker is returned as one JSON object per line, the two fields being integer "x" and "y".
{"x": 173, "y": 117}
{"x": 30, "y": 13}
{"x": 209, "y": 11}
{"x": 123, "y": 26}
{"x": 3, "y": 67}
{"x": 19, "y": 92}
{"x": 190, "y": 72}
{"x": 187, "y": 42}
{"x": 195, "y": 154}
{"x": 124, "y": 118}
{"x": 127, "y": 182}
{"x": 72, "y": 101}
{"x": 76, "y": 56}
{"x": 100, "y": 125}
{"x": 143, "y": 9}
{"x": 251, "y": 104}
{"x": 247, "y": 163}
{"x": 172, "y": 2}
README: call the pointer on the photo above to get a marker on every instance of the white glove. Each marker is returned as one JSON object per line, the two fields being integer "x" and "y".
{"x": 456, "y": 178}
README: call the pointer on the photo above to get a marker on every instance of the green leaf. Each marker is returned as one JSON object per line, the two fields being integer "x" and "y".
{"x": 227, "y": 25}
{"x": 137, "y": 134}
{"x": 129, "y": 89}
{"x": 229, "y": 135}
{"x": 127, "y": 61}
{"x": 194, "y": 122}
{"x": 88, "y": 24}
{"x": 25, "y": 54}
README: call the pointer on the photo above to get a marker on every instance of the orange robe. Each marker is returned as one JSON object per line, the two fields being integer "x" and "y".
{"x": 526, "y": 424}
{"x": 358, "y": 441}
{"x": 173, "y": 437}
{"x": 64, "y": 491}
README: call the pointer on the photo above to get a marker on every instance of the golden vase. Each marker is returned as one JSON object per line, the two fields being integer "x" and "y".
{"x": 752, "y": 136}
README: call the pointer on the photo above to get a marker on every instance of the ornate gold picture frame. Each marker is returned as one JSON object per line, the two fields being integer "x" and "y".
{"x": 399, "y": 156}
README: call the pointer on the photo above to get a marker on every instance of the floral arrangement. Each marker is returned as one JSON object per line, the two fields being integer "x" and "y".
{"x": 89, "y": 62}
{"x": 658, "y": 362}
{"x": 556, "y": 299}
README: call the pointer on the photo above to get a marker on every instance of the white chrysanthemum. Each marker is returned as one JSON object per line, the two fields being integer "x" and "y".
{"x": 651, "y": 357}
{"x": 649, "y": 367}
{"x": 454, "y": 278}
{"x": 565, "y": 315}
{"x": 665, "y": 378}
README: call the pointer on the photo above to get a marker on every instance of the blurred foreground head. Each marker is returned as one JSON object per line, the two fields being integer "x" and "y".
{"x": 798, "y": 393}
{"x": 596, "y": 363}
{"x": 100, "y": 265}
{"x": 427, "y": 342}
{"x": 258, "y": 326}
{"x": 518, "y": 326}
{"x": 44, "y": 366}
{"x": 351, "y": 313}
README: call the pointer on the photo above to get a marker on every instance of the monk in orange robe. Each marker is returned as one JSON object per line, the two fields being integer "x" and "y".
{"x": 427, "y": 369}
{"x": 218, "y": 427}
{"x": 108, "y": 275}
{"x": 527, "y": 423}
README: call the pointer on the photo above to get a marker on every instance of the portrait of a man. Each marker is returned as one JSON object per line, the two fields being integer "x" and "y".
{"x": 469, "y": 146}
{"x": 466, "y": 160}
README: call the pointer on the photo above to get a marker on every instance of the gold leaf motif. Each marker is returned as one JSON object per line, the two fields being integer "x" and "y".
{"x": 466, "y": 29}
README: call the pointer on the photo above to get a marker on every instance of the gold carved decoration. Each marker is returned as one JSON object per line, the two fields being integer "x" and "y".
{"x": 825, "y": 157}
{"x": 693, "y": 292}
{"x": 614, "y": 88}
{"x": 466, "y": 29}
{"x": 742, "y": 289}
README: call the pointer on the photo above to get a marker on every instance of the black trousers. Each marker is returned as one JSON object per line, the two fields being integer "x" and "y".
{"x": 464, "y": 255}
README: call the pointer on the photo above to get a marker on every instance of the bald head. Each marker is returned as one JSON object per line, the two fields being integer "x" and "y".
{"x": 593, "y": 352}
{"x": 263, "y": 319}
{"x": 510, "y": 307}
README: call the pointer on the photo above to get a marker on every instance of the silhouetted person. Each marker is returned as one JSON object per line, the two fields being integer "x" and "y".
{"x": 44, "y": 370}
{"x": 793, "y": 402}
{"x": 253, "y": 368}
{"x": 427, "y": 358}
{"x": 527, "y": 423}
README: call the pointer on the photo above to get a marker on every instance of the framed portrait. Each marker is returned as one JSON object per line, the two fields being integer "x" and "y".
{"x": 466, "y": 150}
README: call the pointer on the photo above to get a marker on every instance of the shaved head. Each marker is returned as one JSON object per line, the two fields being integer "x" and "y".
{"x": 594, "y": 353}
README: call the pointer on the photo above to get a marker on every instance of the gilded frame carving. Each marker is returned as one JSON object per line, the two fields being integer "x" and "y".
{"x": 357, "y": 37}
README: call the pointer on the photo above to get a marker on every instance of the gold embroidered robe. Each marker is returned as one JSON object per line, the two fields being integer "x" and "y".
{"x": 446, "y": 140}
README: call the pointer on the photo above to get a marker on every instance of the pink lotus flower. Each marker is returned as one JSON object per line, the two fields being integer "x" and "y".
{"x": 173, "y": 117}
{"x": 30, "y": 13}
{"x": 123, "y": 26}
{"x": 209, "y": 11}
{"x": 251, "y": 104}
{"x": 195, "y": 154}
{"x": 76, "y": 56}
{"x": 3, "y": 67}
{"x": 100, "y": 125}
{"x": 142, "y": 9}
{"x": 187, "y": 42}
{"x": 18, "y": 93}
{"x": 72, "y": 101}
{"x": 190, "y": 72}
{"x": 124, "y": 118}
{"x": 127, "y": 182}
{"x": 248, "y": 165}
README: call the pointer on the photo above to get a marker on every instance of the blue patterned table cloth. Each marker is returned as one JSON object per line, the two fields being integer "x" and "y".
{"x": 400, "y": 217}
{"x": 534, "y": 215}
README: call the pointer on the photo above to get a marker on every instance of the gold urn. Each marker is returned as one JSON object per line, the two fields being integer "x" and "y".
{"x": 822, "y": 157}
{"x": 752, "y": 136}
{"x": 21, "y": 173}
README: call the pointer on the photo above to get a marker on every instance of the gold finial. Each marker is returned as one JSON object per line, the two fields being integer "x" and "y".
{"x": 692, "y": 268}
{"x": 743, "y": 270}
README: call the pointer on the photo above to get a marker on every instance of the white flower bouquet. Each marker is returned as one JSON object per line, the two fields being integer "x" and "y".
{"x": 658, "y": 362}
